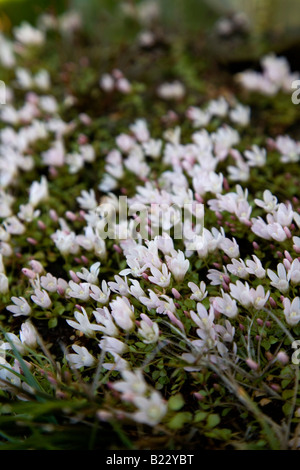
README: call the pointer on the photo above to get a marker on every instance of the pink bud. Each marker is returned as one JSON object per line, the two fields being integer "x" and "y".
{"x": 255, "y": 246}
{"x": 252, "y": 364}
{"x": 225, "y": 286}
{"x": 29, "y": 273}
{"x": 226, "y": 185}
{"x": 287, "y": 264}
{"x": 32, "y": 241}
{"x": 82, "y": 139}
{"x": 145, "y": 276}
{"x": 53, "y": 171}
{"x": 53, "y": 215}
{"x": 275, "y": 387}
{"x": 260, "y": 322}
{"x": 288, "y": 256}
{"x": 199, "y": 198}
{"x": 272, "y": 302}
{"x": 41, "y": 225}
{"x": 176, "y": 293}
{"x": 287, "y": 232}
{"x": 36, "y": 266}
{"x": 71, "y": 216}
{"x": 175, "y": 320}
{"x": 84, "y": 259}
{"x": 74, "y": 277}
{"x": 198, "y": 396}
{"x": 117, "y": 248}
{"x": 269, "y": 356}
{"x": 282, "y": 357}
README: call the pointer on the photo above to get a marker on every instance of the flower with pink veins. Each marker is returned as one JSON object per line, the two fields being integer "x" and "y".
{"x": 292, "y": 311}
{"x": 122, "y": 312}
{"x": 225, "y": 305}
{"x": 83, "y": 324}
{"x": 178, "y": 265}
{"x": 21, "y": 307}
{"x": 241, "y": 292}
{"x": 199, "y": 292}
{"x": 161, "y": 278}
{"x": 100, "y": 295}
{"x": 279, "y": 280}
{"x": 255, "y": 267}
{"x": 259, "y": 297}
{"x": 104, "y": 317}
{"x": 41, "y": 298}
{"x": 294, "y": 272}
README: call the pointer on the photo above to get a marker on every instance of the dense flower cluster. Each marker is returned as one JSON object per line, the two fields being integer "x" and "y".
{"x": 198, "y": 288}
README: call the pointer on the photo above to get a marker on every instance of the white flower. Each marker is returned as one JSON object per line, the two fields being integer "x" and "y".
{"x": 66, "y": 242}
{"x": 100, "y": 295}
{"x": 259, "y": 297}
{"x": 269, "y": 203}
{"x": 90, "y": 275}
{"x": 104, "y": 317}
{"x": 178, "y": 265}
{"x": 112, "y": 345}
{"x": 292, "y": 311}
{"x": 122, "y": 312}
{"x": 21, "y": 306}
{"x": 132, "y": 385}
{"x": 294, "y": 272}
{"x": 87, "y": 200}
{"x": 199, "y": 293}
{"x": 255, "y": 267}
{"x": 238, "y": 268}
{"x": 256, "y": 156}
{"x": 4, "y": 285}
{"x": 27, "y": 212}
{"x": 148, "y": 330}
{"x": 161, "y": 278}
{"x": 151, "y": 410}
{"x": 38, "y": 192}
{"x": 79, "y": 291}
{"x": 28, "y": 335}
{"x": 49, "y": 282}
{"x": 82, "y": 358}
{"x": 241, "y": 292}
{"x": 226, "y": 305}
{"x": 218, "y": 107}
{"x": 28, "y": 35}
{"x": 173, "y": 90}
{"x": 240, "y": 115}
{"x": 41, "y": 298}
{"x": 279, "y": 281}
{"x": 83, "y": 324}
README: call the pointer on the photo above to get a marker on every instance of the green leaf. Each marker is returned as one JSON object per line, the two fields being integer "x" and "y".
{"x": 200, "y": 416}
{"x": 52, "y": 323}
{"x": 213, "y": 420}
{"x": 179, "y": 420}
{"x": 176, "y": 402}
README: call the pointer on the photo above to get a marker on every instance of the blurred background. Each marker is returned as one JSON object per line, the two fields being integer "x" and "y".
{"x": 234, "y": 30}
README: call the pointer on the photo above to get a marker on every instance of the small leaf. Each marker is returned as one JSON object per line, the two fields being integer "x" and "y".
{"x": 179, "y": 420}
{"x": 213, "y": 420}
{"x": 52, "y": 323}
{"x": 176, "y": 402}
